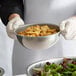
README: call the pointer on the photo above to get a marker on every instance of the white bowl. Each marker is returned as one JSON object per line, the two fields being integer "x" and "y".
{"x": 41, "y": 63}
{"x": 38, "y": 43}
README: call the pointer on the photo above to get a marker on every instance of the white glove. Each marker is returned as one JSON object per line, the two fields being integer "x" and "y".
{"x": 68, "y": 28}
{"x": 12, "y": 25}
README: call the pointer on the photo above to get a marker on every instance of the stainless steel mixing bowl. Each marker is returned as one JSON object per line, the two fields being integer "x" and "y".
{"x": 40, "y": 42}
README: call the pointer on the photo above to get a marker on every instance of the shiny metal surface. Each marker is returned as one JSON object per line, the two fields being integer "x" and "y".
{"x": 1, "y": 71}
{"x": 37, "y": 43}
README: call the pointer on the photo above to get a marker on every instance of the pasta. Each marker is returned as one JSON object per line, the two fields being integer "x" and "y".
{"x": 37, "y": 30}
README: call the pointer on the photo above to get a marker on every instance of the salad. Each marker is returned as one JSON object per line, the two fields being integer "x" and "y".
{"x": 66, "y": 68}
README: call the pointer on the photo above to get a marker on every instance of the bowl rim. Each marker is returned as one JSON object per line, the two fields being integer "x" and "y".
{"x": 27, "y": 25}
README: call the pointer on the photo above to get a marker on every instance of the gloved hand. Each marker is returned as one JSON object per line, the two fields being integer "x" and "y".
{"x": 12, "y": 25}
{"x": 68, "y": 28}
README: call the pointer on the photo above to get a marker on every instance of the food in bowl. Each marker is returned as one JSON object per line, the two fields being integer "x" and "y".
{"x": 37, "y": 42}
{"x": 66, "y": 68}
{"x": 37, "y": 30}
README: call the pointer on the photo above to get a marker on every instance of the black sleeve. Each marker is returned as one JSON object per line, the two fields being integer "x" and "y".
{"x": 9, "y": 7}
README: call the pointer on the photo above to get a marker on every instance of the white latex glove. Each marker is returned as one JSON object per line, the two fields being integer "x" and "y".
{"x": 68, "y": 28}
{"x": 12, "y": 25}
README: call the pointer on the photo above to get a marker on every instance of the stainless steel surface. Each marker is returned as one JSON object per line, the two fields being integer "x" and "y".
{"x": 38, "y": 43}
{"x": 1, "y": 71}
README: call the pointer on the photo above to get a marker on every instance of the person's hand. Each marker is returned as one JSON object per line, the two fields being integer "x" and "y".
{"x": 14, "y": 23}
{"x": 68, "y": 28}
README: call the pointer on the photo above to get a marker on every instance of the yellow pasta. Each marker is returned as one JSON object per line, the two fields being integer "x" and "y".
{"x": 37, "y": 30}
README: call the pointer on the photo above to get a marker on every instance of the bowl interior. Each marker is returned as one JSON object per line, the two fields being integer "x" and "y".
{"x": 28, "y": 25}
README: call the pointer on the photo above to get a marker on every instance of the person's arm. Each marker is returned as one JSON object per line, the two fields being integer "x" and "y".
{"x": 12, "y": 13}
{"x": 11, "y": 9}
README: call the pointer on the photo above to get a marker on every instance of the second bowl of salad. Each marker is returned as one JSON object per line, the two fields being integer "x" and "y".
{"x": 53, "y": 67}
